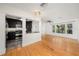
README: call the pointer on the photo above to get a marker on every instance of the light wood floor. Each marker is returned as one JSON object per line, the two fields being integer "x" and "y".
{"x": 49, "y": 46}
{"x": 36, "y": 49}
{"x": 67, "y": 46}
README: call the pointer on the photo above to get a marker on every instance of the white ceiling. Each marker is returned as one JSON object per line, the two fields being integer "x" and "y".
{"x": 51, "y": 11}
{"x": 23, "y": 6}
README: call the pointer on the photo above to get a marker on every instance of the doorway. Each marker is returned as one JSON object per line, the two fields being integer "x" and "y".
{"x": 13, "y": 32}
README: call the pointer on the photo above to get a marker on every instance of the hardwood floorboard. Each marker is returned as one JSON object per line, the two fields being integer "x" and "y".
{"x": 36, "y": 49}
{"x": 41, "y": 49}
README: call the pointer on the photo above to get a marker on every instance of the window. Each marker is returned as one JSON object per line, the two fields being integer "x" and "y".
{"x": 69, "y": 28}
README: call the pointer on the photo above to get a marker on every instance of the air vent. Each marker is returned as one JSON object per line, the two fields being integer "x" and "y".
{"x": 49, "y": 21}
{"x": 43, "y": 4}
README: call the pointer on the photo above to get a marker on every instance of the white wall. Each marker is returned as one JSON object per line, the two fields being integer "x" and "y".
{"x": 35, "y": 26}
{"x": 27, "y": 38}
{"x": 43, "y": 27}
{"x": 48, "y": 27}
{"x": 2, "y": 33}
{"x": 78, "y": 29}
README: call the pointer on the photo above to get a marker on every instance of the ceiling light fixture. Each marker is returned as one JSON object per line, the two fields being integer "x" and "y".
{"x": 37, "y": 12}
